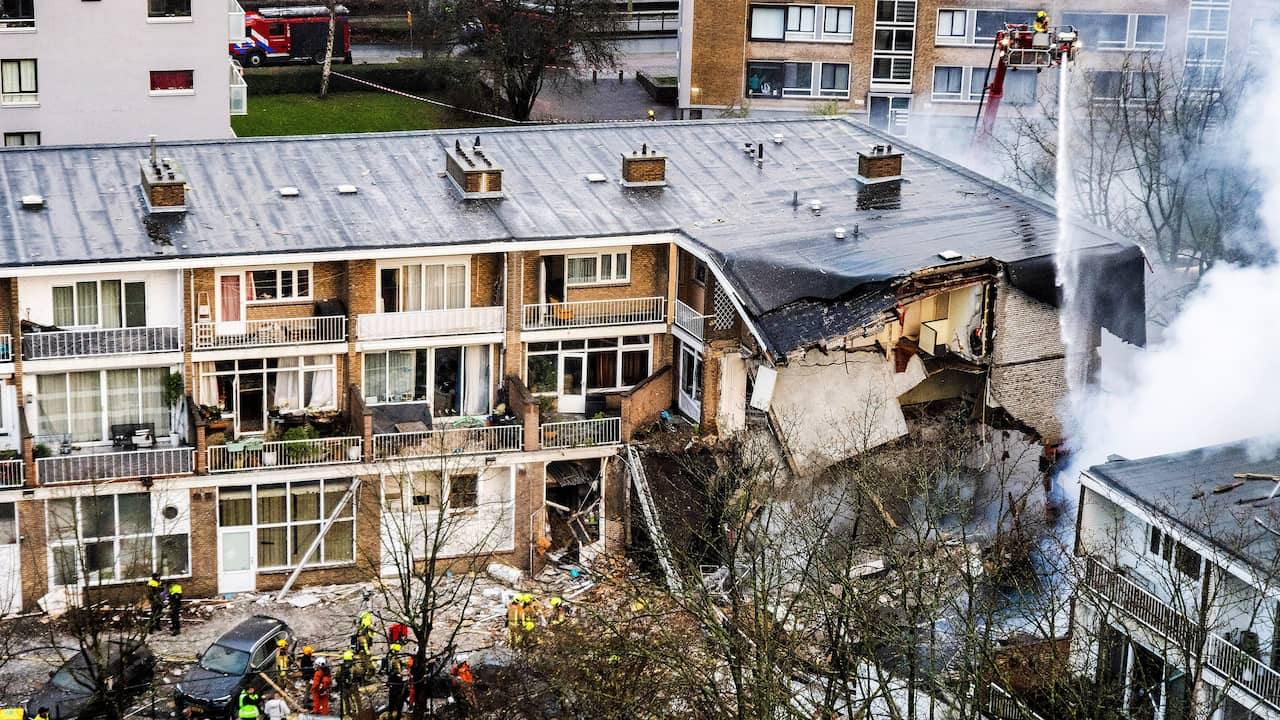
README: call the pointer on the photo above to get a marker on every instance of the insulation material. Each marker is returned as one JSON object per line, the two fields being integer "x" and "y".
{"x": 913, "y": 375}
{"x": 832, "y": 406}
{"x": 732, "y": 416}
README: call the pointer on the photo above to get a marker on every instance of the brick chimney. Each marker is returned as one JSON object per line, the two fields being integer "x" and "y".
{"x": 164, "y": 187}
{"x": 647, "y": 168}
{"x": 879, "y": 164}
{"x": 473, "y": 171}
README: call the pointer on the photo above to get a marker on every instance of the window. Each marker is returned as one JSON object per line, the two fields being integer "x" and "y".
{"x": 614, "y": 363}
{"x": 891, "y": 70}
{"x": 895, "y": 40}
{"x": 1019, "y": 88}
{"x": 699, "y": 272}
{"x": 100, "y": 303}
{"x": 948, "y": 82}
{"x": 764, "y": 79}
{"x": 800, "y": 18}
{"x": 1104, "y": 31}
{"x": 1106, "y": 84}
{"x": 21, "y": 139}
{"x": 896, "y": 11}
{"x": 253, "y": 390}
{"x": 952, "y": 25}
{"x": 691, "y": 374}
{"x": 1171, "y": 552}
{"x": 172, "y": 81}
{"x": 275, "y": 30}
{"x": 1208, "y": 20}
{"x": 612, "y": 267}
{"x": 276, "y": 285}
{"x": 837, "y": 21}
{"x": 893, "y": 48}
{"x": 17, "y": 14}
{"x": 109, "y": 538}
{"x": 835, "y": 80}
{"x": 463, "y": 491}
{"x": 1149, "y": 32}
{"x": 18, "y": 82}
{"x": 986, "y": 23}
{"x": 455, "y": 380}
{"x": 287, "y": 518}
{"x": 1210, "y": 50}
{"x": 85, "y": 404}
{"x": 436, "y": 286}
{"x": 168, "y": 8}
{"x": 797, "y": 79}
{"x": 768, "y": 22}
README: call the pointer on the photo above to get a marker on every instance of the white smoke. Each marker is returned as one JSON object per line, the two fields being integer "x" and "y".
{"x": 1214, "y": 376}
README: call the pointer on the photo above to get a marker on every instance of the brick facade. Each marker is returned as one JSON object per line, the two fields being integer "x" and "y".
{"x": 33, "y": 552}
{"x": 1028, "y": 372}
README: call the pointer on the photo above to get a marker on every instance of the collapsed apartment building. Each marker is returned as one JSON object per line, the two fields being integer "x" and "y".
{"x": 254, "y": 362}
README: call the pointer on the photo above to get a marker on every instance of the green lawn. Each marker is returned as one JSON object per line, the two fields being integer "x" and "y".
{"x": 344, "y": 112}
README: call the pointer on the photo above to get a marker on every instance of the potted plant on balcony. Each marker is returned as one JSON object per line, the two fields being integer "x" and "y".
{"x": 298, "y": 452}
{"x": 174, "y": 390}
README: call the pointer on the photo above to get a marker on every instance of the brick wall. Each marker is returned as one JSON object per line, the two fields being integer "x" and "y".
{"x": 642, "y": 404}
{"x": 648, "y": 278}
{"x": 34, "y": 552}
{"x": 518, "y": 286}
{"x": 524, "y": 406}
{"x": 204, "y": 543}
{"x": 1028, "y": 375}
{"x": 718, "y": 62}
{"x": 531, "y": 479}
{"x": 486, "y": 274}
{"x": 644, "y": 168}
{"x": 711, "y": 381}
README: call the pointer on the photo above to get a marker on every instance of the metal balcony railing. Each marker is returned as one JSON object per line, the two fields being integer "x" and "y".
{"x": 258, "y": 455}
{"x": 11, "y": 473}
{"x": 581, "y": 433}
{"x": 260, "y": 333}
{"x": 449, "y": 441}
{"x": 649, "y": 21}
{"x": 115, "y": 465}
{"x": 594, "y": 313}
{"x": 424, "y": 323}
{"x": 690, "y": 320}
{"x": 239, "y": 90}
{"x": 1244, "y": 670}
{"x": 100, "y": 341}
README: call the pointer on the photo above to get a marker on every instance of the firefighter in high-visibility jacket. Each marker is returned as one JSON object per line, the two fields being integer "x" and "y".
{"x": 155, "y": 596}
{"x": 175, "y": 608}
{"x": 1042, "y": 22}
{"x": 282, "y": 659}
{"x": 364, "y": 634}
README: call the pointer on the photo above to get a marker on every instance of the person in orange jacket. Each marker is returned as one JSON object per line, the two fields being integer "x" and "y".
{"x": 320, "y": 685}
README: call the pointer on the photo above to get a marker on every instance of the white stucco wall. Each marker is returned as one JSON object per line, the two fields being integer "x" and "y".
{"x": 164, "y": 295}
{"x": 93, "y": 72}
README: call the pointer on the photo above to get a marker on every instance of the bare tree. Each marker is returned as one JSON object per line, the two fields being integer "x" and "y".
{"x": 332, "y": 6}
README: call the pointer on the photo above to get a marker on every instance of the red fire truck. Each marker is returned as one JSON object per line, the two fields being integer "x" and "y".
{"x": 282, "y": 35}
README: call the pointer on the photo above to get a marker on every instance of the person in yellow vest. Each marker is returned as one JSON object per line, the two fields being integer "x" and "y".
{"x": 282, "y": 659}
{"x": 513, "y": 623}
{"x": 347, "y": 684}
{"x": 527, "y": 627}
{"x": 558, "y": 610}
{"x": 364, "y": 634}
{"x": 175, "y": 608}
{"x": 1042, "y": 22}
{"x": 155, "y": 596}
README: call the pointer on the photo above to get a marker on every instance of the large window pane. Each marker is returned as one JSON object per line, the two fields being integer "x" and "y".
{"x": 135, "y": 304}
{"x": 87, "y": 303}
{"x": 767, "y": 22}
{"x": 154, "y": 408}
{"x": 112, "y": 311}
{"x": 542, "y": 373}
{"x": 173, "y": 555}
{"x": 375, "y": 375}
{"x": 235, "y": 507}
{"x": 339, "y": 542}
{"x": 456, "y": 286}
{"x": 100, "y": 561}
{"x": 334, "y": 490}
{"x": 135, "y": 513}
{"x": 272, "y": 504}
{"x": 602, "y": 370}
{"x": 305, "y": 501}
{"x": 764, "y": 79}
{"x": 64, "y": 306}
{"x": 62, "y": 518}
{"x": 122, "y": 396}
{"x": 635, "y": 366}
{"x": 400, "y": 375}
{"x": 1103, "y": 30}
{"x": 273, "y": 547}
{"x": 84, "y": 392}
{"x": 301, "y": 537}
{"x": 97, "y": 516}
{"x": 477, "y": 381}
{"x": 52, "y": 399}
{"x": 135, "y": 557}
{"x": 448, "y": 381}
{"x": 65, "y": 570}
{"x": 434, "y": 280}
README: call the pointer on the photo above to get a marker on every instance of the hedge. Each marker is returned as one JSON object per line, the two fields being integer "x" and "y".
{"x": 413, "y": 76}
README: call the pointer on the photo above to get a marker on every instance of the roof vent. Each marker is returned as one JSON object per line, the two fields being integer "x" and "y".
{"x": 288, "y": 191}
{"x": 880, "y": 164}
{"x": 596, "y": 177}
{"x": 778, "y": 138}
{"x": 348, "y": 189}
{"x": 647, "y": 168}
{"x": 164, "y": 187}
{"x": 950, "y": 255}
{"x": 32, "y": 202}
{"x": 473, "y": 171}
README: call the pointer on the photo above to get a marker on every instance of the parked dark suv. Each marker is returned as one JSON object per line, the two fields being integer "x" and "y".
{"x": 210, "y": 687}
{"x": 71, "y": 690}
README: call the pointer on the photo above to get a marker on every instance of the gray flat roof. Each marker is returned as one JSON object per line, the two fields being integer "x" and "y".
{"x": 1181, "y": 486}
{"x": 743, "y": 216}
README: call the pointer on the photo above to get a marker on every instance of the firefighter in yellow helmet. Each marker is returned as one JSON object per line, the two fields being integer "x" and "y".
{"x": 1042, "y": 22}
{"x": 558, "y": 610}
{"x": 282, "y": 659}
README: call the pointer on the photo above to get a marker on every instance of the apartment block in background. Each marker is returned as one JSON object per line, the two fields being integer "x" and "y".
{"x": 105, "y": 72}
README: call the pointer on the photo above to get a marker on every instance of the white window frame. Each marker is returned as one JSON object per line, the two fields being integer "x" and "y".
{"x": 17, "y": 25}
{"x": 817, "y": 26}
{"x": 24, "y": 139}
{"x": 798, "y": 13}
{"x": 896, "y": 58}
{"x": 431, "y": 381}
{"x": 614, "y": 277}
{"x": 581, "y": 347}
{"x": 77, "y": 541}
{"x": 950, "y": 38}
{"x": 20, "y": 96}
{"x": 247, "y": 274}
{"x": 836, "y": 35}
{"x": 172, "y": 91}
{"x": 947, "y": 96}
{"x": 751, "y": 35}
{"x": 97, "y": 323}
{"x": 288, "y": 524}
{"x": 444, "y": 263}
{"x": 834, "y": 92}
{"x": 208, "y": 369}
{"x": 104, "y": 408}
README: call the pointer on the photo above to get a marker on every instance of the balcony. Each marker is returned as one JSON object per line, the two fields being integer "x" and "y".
{"x": 115, "y": 465}
{"x": 594, "y": 313}
{"x": 1243, "y": 670}
{"x": 11, "y": 473}
{"x": 690, "y": 320}
{"x": 258, "y": 455}
{"x": 99, "y": 342}
{"x": 581, "y": 433}
{"x": 239, "y": 90}
{"x": 448, "y": 442}
{"x": 425, "y": 323}
{"x": 264, "y": 333}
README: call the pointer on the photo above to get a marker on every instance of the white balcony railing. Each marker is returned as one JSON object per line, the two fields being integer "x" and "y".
{"x": 6, "y": 348}
{"x": 449, "y": 441}
{"x": 115, "y": 465}
{"x": 239, "y": 90}
{"x": 422, "y": 323}
{"x": 96, "y": 342}
{"x": 11, "y": 473}
{"x": 259, "y": 333}
{"x": 235, "y": 21}
{"x": 592, "y": 313}
{"x": 690, "y": 320}
{"x": 1244, "y": 670}
{"x": 581, "y": 433}
{"x": 258, "y": 455}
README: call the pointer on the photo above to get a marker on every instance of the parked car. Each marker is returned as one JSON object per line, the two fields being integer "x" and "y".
{"x": 209, "y": 688}
{"x": 71, "y": 691}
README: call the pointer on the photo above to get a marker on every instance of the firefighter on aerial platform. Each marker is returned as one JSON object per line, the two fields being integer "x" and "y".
{"x": 1042, "y": 22}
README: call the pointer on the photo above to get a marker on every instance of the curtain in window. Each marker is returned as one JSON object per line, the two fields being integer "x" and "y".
{"x": 434, "y": 281}
{"x": 333, "y": 492}
{"x": 84, "y": 391}
{"x": 273, "y": 547}
{"x": 602, "y": 369}
{"x": 235, "y": 507}
{"x": 411, "y": 292}
{"x": 9, "y": 79}
{"x": 51, "y": 394}
{"x": 302, "y": 536}
{"x": 208, "y": 385}
{"x": 375, "y": 375}
{"x": 122, "y": 397}
{"x": 229, "y": 306}
{"x": 456, "y": 292}
{"x": 112, "y": 314}
{"x": 272, "y": 505}
{"x": 304, "y": 502}
{"x": 339, "y": 542}
{"x": 87, "y": 302}
{"x": 320, "y": 385}
{"x": 477, "y": 380}
{"x": 64, "y": 306}
{"x": 400, "y": 375}
{"x": 286, "y": 394}
{"x": 635, "y": 366}
{"x": 154, "y": 408}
